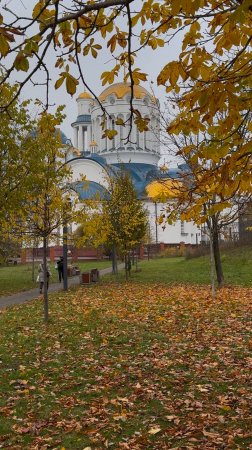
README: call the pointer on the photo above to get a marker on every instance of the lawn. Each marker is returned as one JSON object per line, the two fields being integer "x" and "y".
{"x": 139, "y": 367}
{"x": 237, "y": 268}
{"x": 19, "y": 278}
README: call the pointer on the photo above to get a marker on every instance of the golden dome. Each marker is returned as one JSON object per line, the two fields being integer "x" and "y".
{"x": 163, "y": 189}
{"x": 93, "y": 143}
{"x": 120, "y": 89}
{"x": 85, "y": 95}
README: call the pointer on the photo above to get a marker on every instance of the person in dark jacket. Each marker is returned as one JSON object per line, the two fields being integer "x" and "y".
{"x": 60, "y": 268}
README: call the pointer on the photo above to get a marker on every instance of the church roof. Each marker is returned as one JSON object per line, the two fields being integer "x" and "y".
{"x": 141, "y": 174}
{"x": 82, "y": 118}
{"x": 85, "y": 95}
{"x": 90, "y": 190}
{"x": 163, "y": 189}
{"x": 121, "y": 89}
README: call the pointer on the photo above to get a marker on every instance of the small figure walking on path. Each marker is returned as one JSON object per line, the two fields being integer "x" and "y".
{"x": 60, "y": 268}
{"x": 41, "y": 276}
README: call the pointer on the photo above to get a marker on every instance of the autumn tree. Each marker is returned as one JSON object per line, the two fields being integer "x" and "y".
{"x": 117, "y": 221}
{"x": 47, "y": 202}
{"x": 124, "y": 217}
{"x": 191, "y": 199}
{"x": 16, "y": 156}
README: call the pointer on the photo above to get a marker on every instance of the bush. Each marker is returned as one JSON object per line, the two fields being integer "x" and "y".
{"x": 171, "y": 252}
{"x": 196, "y": 252}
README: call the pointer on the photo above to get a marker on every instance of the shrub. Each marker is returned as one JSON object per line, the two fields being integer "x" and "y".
{"x": 171, "y": 252}
{"x": 196, "y": 252}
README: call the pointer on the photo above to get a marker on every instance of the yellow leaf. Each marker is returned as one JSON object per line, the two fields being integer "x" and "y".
{"x": 174, "y": 75}
{"x": 21, "y": 62}
{"x": 120, "y": 122}
{"x": 135, "y": 19}
{"x": 154, "y": 430}
{"x": 59, "y": 82}
{"x": 4, "y": 46}
{"x": 37, "y": 9}
{"x": 93, "y": 52}
{"x": 112, "y": 43}
{"x": 226, "y": 408}
{"x": 71, "y": 84}
{"x": 110, "y": 134}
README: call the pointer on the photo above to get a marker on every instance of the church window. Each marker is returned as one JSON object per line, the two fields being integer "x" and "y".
{"x": 182, "y": 228}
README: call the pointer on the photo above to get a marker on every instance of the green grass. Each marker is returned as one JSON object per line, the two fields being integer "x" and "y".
{"x": 150, "y": 367}
{"x": 19, "y": 278}
{"x": 237, "y": 268}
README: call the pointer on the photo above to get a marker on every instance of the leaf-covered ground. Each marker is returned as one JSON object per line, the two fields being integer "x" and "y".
{"x": 138, "y": 367}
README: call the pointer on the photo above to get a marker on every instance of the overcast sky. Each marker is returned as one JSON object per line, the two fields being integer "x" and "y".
{"x": 149, "y": 61}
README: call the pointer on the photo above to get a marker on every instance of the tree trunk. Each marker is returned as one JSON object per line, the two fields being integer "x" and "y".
{"x": 46, "y": 312}
{"x": 126, "y": 267}
{"x": 113, "y": 259}
{"x": 33, "y": 264}
{"x": 115, "y": 269}
{"x": 216, "y": 252}
{"x": 212, "y": 264}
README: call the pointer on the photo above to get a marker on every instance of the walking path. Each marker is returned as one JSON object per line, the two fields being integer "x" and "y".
{"x": 22, "y": 297}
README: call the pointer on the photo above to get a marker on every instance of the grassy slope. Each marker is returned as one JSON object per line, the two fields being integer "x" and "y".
{"x": 19, "y": 278}
{"x": 135, "y": 367}
{"x": 237, "y": 267}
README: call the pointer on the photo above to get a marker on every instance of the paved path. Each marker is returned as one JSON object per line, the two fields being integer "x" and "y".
{"x": 22, "y": 297}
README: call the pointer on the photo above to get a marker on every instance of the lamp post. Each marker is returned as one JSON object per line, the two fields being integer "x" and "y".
{"x": 156, "y": 222}
{"x": 65, "y": 281}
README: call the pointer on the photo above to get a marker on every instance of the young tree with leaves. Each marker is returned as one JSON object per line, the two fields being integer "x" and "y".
{"x": 193, "y": 200}
{"x": 124, "y": 217}
{"x": 118, "y": 220}
{"x": 16, "y": 156}
{"x": 47, "y": 203}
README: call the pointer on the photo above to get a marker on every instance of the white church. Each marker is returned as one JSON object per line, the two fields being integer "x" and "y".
{"x": 91, "y": 155}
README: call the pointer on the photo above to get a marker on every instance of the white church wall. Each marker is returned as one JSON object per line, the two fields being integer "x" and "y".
{"x": 92, "y": 171}
{"x": 119, "y": 108}
{"x": 131, "y": 156}
{"x": 178, "y": 232}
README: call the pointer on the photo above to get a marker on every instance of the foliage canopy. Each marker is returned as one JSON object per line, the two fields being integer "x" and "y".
{"x": 211, "y": 74}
